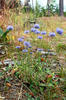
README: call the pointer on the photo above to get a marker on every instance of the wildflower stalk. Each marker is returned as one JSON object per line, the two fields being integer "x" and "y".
{"x": 4, "y": 34}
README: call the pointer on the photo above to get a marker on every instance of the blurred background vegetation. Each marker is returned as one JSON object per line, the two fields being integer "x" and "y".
{"x": 51, "y": 8}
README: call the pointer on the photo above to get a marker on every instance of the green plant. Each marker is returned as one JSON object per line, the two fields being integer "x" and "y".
{"x": 65, "y": 14}
{"x": 3, "y": 35}
{"x": 61, "y": 47}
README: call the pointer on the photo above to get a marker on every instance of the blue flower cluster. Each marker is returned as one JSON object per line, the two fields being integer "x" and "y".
{"x": 27, "y": 44}
{"x": 18, "y": 47}
{"x": 59, "y": 31}
{"x": 40, "y": 37}
{"x": 10, "y": 28}
{"x": 52, "y": 34}
{"x": 43, "y": 32}
{"x": 33, "y": 29}
{"x": 36, "y": 26}
{"x": 36, "y": 31}
{"x": 26, "y": 31}
{"x": 24, "y": 50}
{"x": 20, "y": 39}
{"x": 39, "y": 49}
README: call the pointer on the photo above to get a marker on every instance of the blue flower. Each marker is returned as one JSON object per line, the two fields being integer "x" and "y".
{"x": 20, "y": 39}
{"x": 30, "y": 46}
{"x": 37, "y": 32}
{"x": 59, "y": 31}
{"x": 18, "y": 47}
{"x": 52, "y": 34}
{"x": 10, "y": 28}
{"x": 43, "y": 32}
{"x": 26, "y": 31}
{"x": 33, "y": 29}
{"x": 24, "y": 50}
{"x": 39, "y": 49}
{"x": 40, "y": 37}
{"x": 36, "y": 26}
{"x": 31, "y": 52}
{"x": 27, "y": 44}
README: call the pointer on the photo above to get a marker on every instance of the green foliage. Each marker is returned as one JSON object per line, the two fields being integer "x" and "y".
{"x": 61, "y": 47}
{"x": 39, "y": 11}
{"x": 1, "y": 31}
{"x": 30, "y": 97}
{"x": 33, "y": 72}
{"x": 65, "y": 14}
{"x": 3, "y": 35}
{"x": 1, "y": 74}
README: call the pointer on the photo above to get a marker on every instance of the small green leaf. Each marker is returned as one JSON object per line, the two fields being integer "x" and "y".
{"x": 50, "y": 85}
{"x": 17, "y": 74}
{"x": 42, "y": 84}
{"x": 7, "y": 79}
{"x": 1, "y": 31}
{"x": 38, "y": 98}
{"x": 5, "y": 34}
{"x": 54, "y": 95}
{"x": 1, "y": 74}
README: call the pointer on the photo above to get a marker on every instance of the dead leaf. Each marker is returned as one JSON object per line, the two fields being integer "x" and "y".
{"x": 13, "y": 72}
{"x": 49, "y": 76}
{"x": 42, "y": 59}
{"x": 8, "y": 84}
{"x": 31, "y": 94}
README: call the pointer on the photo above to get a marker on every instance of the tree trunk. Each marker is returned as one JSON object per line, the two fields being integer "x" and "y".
{"x": 26, "y": 2}
{"x": 32, "y": 4}
{"x": 61, "y": 7}
{"x": 48, "y": 5}
{"x": 2, "y": 4}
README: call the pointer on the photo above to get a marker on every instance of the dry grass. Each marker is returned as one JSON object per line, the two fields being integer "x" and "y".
{"x": 48, "y": 24}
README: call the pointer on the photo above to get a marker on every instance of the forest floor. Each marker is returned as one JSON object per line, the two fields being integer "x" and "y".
{"x": 37, "y": 74}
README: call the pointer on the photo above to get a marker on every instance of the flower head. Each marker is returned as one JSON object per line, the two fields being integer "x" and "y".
{"x": 26, "y": 31}
{"x": 24, "y": 50}
{"x": 59, "y": 31}
{"x": 43, "y": 32}
{"x": 18, "y": 47}
{"x": 33, "y": 29}
{"x": 39, "y": 49}
{"x": 36, "y": 26}
{"x": 31, "y": 52}
{"x": 30, "y": 46}
{"x": 10, "y": 28}
{"x": 40, "y": 37}
{"x": 27, "y": 44}
{"x": 20, "y": 39}
{"x": 37, "y": 32}
{"x": 52, "y": 34}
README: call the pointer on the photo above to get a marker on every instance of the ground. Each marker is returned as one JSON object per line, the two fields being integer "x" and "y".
{"x": 35, "y": 75}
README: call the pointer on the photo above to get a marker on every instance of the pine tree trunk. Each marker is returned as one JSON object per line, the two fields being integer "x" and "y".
{"x": 2, "y": 4}
{"x": 48, "y": 5}
{"x": 61, "y": 7}
{"x": 32, "y": 4}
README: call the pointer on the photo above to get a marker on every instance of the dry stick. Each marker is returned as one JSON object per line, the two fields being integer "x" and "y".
{"x": 20, "y": 94}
